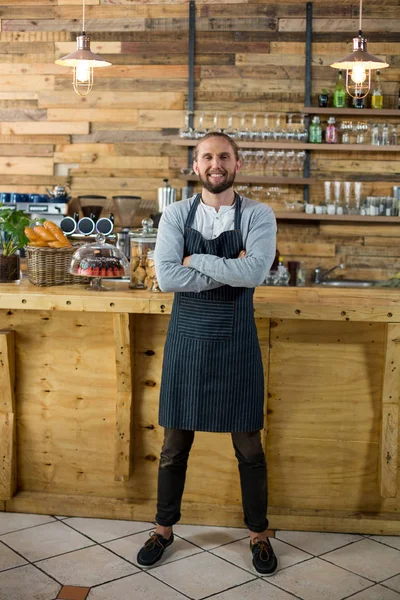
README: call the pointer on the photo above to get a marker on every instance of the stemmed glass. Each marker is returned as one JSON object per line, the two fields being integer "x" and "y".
{"x": 215, "y": 127}
{"x": 271, "y": 160}
{"x": 186, "y": 132}
{"x": 254, "y": 133}
{"x": 289, "y": 134}
{"x": 260, "y": 161}
{"x": 200, "y": 131}
{"x": 300, "y": 157}
{"x": 230, "y": 130}
{"x": 360, "y": 128}
{"x": 267, "y": 133}
{"x": 346, "y": 127}
{"x": 243, "y": 130}
{"x": 302, "y": 132}
{"x": 277, "y": 132}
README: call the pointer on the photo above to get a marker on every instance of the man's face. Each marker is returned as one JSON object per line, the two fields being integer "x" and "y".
{"x": 216, "y": 165}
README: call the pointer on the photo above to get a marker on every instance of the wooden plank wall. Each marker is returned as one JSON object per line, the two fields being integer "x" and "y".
{"x": 249, "y": 57}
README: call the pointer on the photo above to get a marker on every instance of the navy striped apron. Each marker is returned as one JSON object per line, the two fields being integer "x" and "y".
{"x": 212, "y": 377}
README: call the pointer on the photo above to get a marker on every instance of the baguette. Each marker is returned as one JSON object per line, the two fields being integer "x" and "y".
{"x": 44, "y": 234}
{"x": 31, "y": 235}
{"x": 56, "y": 232}
{"x": 39, "y": 244}
{"x": 57, "y": 244}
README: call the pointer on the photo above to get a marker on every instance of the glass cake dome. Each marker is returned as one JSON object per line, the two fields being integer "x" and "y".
{"x": 99, "y": 260}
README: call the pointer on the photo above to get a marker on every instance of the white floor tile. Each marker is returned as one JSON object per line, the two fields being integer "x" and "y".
{"x": 389, "y": 540}
{"x": 9, "y": 559}
{"x": 376, "y": 592}
{"x": 88, "y": 567}
{"x": 45, "y": 541}
{"x": 128, "y": 547}
{"x": 314, "y": 542}
{"x": 393, "y": 583}
{"x": 259, "y": 589}
{"x": 239, "y": 554}
{"x": 368, "y": 559}
{"x": 137, "y": 587}
{"x": 202, "y": 575}
{"x": 16, "y": 521}
{"x": 319, "y": 580}
{"x": 105, "y": 530}
{"x": 210, "y": 537}
{"x": 27, "y": 583}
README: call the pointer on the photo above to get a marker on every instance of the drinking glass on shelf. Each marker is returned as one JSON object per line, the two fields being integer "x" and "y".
{"x": 243, "y": 130}
{"x": 394, "y": 135}
{"x": 361, "y": 128}
{"x": 270, "y": 161}
{"x": 279, "y": 162}
{"x": 385, "y": 135}
{"x": 375, "y": 134}
{"x": 357, "y": 198}
{"x": 231, "y": 130}
{"x": 260, "y": 161}
{"x": 200, "y": 130}
{"x": 290, "y": 162}
{"x": 257, "y": 192}
{"x": 289, "y": 135}
{"x": 300, "y": 157}
{"x": 186, "y": 132}
{"x": 244, "y": 157}
{"x": 267, "y": 133}
{"x": 302, "y": 132}
{"x": 243, "y": 190}
{"x": 215, "y": 127}
{"x": 347, "y": 193}
{"x": 277, "y": 132}
{"x": 336, "y": 191}
{"x": 273, "y": 193}
{"x": 346, "y": 128}
{"x": 327, "y": 191}
{"x": 255, "y": 132}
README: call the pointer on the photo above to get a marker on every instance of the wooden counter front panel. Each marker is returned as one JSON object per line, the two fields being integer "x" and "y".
{"x": 323, "y": 423}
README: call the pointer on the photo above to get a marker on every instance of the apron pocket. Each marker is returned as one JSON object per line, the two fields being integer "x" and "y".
{"x": 205, "y": 320}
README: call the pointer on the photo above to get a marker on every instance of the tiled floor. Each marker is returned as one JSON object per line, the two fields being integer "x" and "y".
{"x": 44, "y": 558}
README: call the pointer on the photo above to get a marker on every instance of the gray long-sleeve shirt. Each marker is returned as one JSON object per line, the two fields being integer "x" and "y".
{"x": 207, "y": 272}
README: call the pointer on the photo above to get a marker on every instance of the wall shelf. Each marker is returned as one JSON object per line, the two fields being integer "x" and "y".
{"x": 259, "y": 179}
{"x": 301, "y": 146}
{"x": 301, "y": 216}
{"x": 359, "y": 112}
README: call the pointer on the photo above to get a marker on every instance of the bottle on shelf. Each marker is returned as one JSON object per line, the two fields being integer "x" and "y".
{"x": 376, "y": 95}
{"x": 331, "y": 134}
{"x": 339, "y": 93}
{"x": 315, "y": 132}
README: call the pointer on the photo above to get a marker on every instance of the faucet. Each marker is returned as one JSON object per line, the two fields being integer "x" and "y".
{"x": 321, "y": 275}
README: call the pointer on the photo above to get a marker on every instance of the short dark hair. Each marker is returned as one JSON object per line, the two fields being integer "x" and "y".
{"x": 218, "y": 134}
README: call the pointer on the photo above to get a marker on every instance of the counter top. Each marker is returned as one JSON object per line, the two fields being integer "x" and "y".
{"x": 377, "y": 304}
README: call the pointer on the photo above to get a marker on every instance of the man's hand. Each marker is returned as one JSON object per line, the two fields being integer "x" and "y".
{"x": 242, "y": 254}
{"x": 186, "y": 261}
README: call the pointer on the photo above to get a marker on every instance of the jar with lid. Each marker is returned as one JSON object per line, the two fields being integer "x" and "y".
{"x": 331, "y": 136}
{"x": 315, "y": 131}
{"x": 142, "y": 241}
{"x": 151, "y": 283}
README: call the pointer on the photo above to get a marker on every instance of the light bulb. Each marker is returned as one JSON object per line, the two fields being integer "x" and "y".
{"x": 358, "y": 74}
{"x": 83, "y": 71}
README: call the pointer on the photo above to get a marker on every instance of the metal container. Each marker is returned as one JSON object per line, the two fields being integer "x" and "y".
{"x": 142, "y": 241}
{"x": 166, "y": 195}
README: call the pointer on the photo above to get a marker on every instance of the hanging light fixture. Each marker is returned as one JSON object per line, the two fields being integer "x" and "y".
{"x": 358, "y": 66}
{"x": 83, "y": 61}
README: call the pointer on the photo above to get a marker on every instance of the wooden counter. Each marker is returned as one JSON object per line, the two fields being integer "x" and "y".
{"x": 80, "y": 436}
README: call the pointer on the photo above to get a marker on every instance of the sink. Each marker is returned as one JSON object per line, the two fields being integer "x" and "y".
{"x": 347, "y": 283}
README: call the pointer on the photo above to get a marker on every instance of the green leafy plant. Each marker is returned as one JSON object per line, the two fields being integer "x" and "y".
{"x": 12, "y": 224}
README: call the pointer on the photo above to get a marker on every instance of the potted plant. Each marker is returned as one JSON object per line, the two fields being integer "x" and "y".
{"x": 12, "y": 237}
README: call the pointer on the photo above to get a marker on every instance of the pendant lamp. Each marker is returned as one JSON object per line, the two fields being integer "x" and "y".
{"x": 358, "y": 66}
{"x": 83, "y": 61}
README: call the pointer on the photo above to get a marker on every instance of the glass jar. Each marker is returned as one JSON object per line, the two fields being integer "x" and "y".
{"x": 142, "y": 241}
{"x": 151, "y": 283}
{"x": 331, "y": 131}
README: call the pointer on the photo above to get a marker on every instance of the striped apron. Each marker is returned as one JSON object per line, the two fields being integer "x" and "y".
{"x": 212, "y": 376}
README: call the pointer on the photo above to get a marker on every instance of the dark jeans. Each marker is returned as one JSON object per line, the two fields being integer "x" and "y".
{"x": 252, "y": 470}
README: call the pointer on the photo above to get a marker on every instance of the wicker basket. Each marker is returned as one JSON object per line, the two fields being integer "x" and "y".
{"x": 49, "y": 266}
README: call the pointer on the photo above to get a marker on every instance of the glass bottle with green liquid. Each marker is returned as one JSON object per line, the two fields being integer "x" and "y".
{"x": 339, "y": 93}
{"x": 376, "y": 95}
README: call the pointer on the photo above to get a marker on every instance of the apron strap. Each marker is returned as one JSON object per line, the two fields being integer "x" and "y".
{"x": 192, "y": 211}
{"x": 238, "y": 215}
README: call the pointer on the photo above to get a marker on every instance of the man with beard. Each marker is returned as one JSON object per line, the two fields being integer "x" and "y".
{"x": 212, "y": 250}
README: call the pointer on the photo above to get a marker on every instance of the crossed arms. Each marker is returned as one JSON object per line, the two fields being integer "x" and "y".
{"x": 207, "y": 272}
